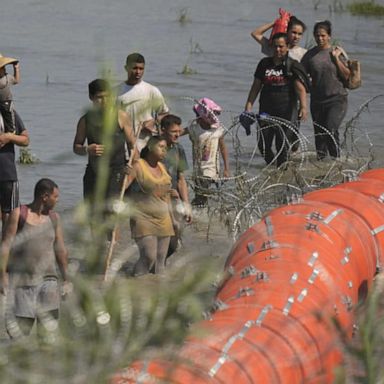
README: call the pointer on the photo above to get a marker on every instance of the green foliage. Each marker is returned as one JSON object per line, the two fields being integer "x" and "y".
{"x": 365, "y": 351}
{"x": 333, "y": 5}
{"x": 183, "y": 17}
{"x": 103, "y": 328}
{"x": 187, "y": 70}
{"x": 366, "y": 8}
{"x": 194, "y": 48}
{"x": 26, "y": 157}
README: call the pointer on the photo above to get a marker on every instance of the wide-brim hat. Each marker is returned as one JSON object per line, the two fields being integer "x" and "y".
{"x": 6, "y": 60}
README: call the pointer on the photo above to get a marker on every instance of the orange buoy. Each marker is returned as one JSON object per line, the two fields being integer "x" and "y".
{"x": 288, "y": 278}
{"x": 368, "y": 208}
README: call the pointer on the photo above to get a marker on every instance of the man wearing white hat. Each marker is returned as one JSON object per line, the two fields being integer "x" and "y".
{"x": 6, "y": 98}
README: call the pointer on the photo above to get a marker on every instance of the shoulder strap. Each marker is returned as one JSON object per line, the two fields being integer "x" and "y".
{"x": 54, "y": 218}
{"x": 342, "y": 52}
{"x": 288, "y": 66}
{"x": 22, "y": 217}
{"x": 24, "y": 213}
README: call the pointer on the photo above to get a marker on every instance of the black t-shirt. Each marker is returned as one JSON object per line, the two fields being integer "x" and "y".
{"x": 7, "y": 155}
{"x": 277, "y": 94}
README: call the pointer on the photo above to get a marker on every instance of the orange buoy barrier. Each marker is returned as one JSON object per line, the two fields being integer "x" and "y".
{"x": 368, "y": 208}
{"x": 375, "y": 174}
{"x": 288, "y": 279}
{"x": 350, "y": 226}
{"x": 303, "y": 280}
{"x": 370, "y": 187}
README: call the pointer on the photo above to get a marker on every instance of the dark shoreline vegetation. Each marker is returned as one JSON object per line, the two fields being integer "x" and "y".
{"x": 26, "y": 157}
{"x": 366, "y": 8}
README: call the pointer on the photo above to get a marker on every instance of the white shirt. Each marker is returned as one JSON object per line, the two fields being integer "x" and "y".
{"x": 205, "y": 143}
{"x": 143, "y": 102}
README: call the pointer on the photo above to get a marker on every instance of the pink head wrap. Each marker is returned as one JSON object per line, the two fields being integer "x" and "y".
{"x": 208, "y": 110}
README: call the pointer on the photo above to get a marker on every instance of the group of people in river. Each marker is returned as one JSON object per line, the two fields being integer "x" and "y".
{"x": 131, "y": 127}
{"x": 284, "y": 77}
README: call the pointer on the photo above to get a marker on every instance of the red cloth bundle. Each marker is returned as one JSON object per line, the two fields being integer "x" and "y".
{"x": 281, "y": 24}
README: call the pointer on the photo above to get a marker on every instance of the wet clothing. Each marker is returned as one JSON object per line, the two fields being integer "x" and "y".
{"x": 206, "y": 160}
{"x": 175, "y": 162}
{"x": 329, "y": 115}
{"x": 9, "y": 196}
{"x": 7, "y": 155}
{"x": 278, "y": 99}
{"x": 205, "y": 150}
{"x": 326, "y": 83}
{"x": 9, "y": 186}
{"x": 33, "y": 256}
{"x": 94, "y": 122}
{"x": 33, "y": 273}
{"x": 30, "y": 301}
{"x": 114, "y": 185}
{"x": 150, "y": 197}
{"x": 7, "y": 111}
{"x": 329, "y": 100}
{"x": 153, "y": 252}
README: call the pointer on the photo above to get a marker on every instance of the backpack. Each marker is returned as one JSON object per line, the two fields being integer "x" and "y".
{"x": 354, "y": 80}
{"x": 24, "y": 214}
{"x": 293, "y": 68}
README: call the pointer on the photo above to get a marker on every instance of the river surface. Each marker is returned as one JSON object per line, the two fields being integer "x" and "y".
{"x": 63, "y": 45}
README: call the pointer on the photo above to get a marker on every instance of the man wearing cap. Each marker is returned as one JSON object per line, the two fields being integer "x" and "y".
{"x": 143, "y": 101}
{"x": 6, "y": 98}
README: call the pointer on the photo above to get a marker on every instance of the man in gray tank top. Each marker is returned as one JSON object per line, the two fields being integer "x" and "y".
{"x": 38, "y": 257}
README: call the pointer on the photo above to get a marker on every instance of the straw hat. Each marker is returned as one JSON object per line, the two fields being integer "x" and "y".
{"x": 6, "y": 60}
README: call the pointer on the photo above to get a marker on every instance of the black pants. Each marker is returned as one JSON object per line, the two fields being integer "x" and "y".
{"x": 328, "y": 115}
{"x": 112, "y": 192}
{"x": 267, "y": 131}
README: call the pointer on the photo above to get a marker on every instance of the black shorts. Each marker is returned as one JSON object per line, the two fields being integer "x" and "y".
{"x": 115, "y": 183}
{"x": 9, "y": 196}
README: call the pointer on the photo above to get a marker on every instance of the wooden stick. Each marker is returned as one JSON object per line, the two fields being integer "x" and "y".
{"x": 121, "y": 197}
